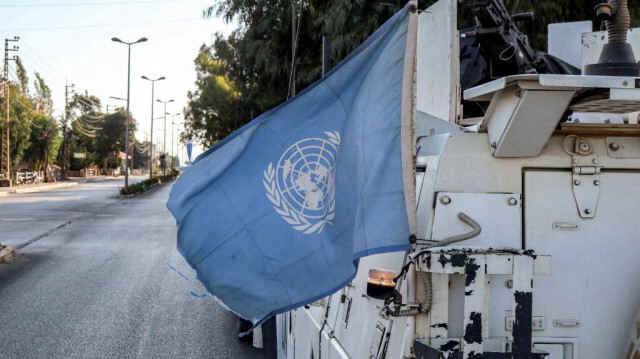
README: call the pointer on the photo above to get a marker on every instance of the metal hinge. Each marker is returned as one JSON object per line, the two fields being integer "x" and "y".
{"x": 585, "y": 178}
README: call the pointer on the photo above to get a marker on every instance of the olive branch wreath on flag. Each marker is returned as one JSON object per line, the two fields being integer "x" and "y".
{"x": 280, "y": 205}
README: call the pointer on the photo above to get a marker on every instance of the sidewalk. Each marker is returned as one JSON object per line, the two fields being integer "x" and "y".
{"x": 7, "y": 254}
{"x": 37, "y": 187}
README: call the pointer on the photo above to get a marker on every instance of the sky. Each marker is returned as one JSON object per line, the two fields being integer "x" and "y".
{"x": 69, "y": 42}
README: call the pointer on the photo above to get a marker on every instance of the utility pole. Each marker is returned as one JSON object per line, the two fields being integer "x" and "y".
{"x": 172, "y": 137}
{"x": 65, "y": 137}
{"x": 294, "y": 46}
{"x": 173, "y": 122}
{"x": 153, "y": 83}
{"x": 326, "y": 54}
{"x": 5, "y": 163}
{"x": 164, "y": 144}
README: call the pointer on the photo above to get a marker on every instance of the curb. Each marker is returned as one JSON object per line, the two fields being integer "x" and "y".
{"x": 7, "y": 254}
{"x": 149, "y": 189}
{"x": 38, "y": 188}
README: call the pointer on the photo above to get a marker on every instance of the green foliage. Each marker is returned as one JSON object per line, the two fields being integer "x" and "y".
{"x": 100, "y": 136}
{"x": 148, "y": 184}
{"x": 110, "y": 138}
{"x": 43, "y": 94}
{"x": 23, "y": 78}
{"x": 34, "y": 136}
{"x": 85, "y": 128}
{"x": 80, "y": 141}
{"x": 216, "y": 107}
{"x": 20, "y": 122}
{"x": 249, "y": 71}
{"x": 44, "y": 142}
{"x": 86, "y": 104}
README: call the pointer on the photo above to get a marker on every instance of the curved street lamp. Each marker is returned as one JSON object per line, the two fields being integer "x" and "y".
{"x": 164, "y": 146}
{"x": 126, "y": 146}
{"x": 153, "y": 83}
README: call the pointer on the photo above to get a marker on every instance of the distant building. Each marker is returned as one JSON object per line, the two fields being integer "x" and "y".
{"x": 122, "y": 155}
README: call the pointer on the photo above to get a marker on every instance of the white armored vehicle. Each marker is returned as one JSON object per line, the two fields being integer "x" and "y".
{"x": 528, "y": 237}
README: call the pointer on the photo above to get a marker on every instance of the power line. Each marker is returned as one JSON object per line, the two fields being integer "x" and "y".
{"x": 98, "y": 26}
{"x": 94, "y": 3}
{"x": 5, "y": 151}
{"x": 17, "y": 81}
{"x": 34, "y": 66}
{"x": 81, "y": 100}
{"x": 31, "y": 50}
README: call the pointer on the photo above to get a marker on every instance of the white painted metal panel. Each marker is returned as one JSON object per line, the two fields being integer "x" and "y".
{"x": 437, "y": 77}
{"x": 556, "y": 351}
{"x": 306, "y": 335}
{"x": 564, "y": 40}
{"x": 570, "y": 346}
{"x": 325, "y": 347}
{"x": 336, "y": 351}
{"x": 356, "y": 337}
{"x": 527, "y": 129}
{"x": 425, "y": 183}
{"x": 499, "y": 220}
{"x": 594, "y": 287}
{"x": 284, "y": 341}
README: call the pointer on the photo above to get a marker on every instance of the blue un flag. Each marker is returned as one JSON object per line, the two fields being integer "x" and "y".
{"x": 277, "y": 215}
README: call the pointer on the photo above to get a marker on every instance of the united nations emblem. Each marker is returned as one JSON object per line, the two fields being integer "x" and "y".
{"x": 301, "y": 184}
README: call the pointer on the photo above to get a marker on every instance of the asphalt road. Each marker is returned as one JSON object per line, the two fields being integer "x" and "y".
{"x": 95, "y": 282}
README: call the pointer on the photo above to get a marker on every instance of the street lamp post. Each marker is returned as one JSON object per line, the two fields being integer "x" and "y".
{"x": 173, "y": 117}
{"x": 153, "y": 83}
{"x": 164, "y": 146}
{"x": 126, "y": 138}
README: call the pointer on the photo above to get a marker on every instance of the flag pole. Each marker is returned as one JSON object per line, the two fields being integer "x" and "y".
{"x": 408, "y": 152}
{"x": 406, "y": 118}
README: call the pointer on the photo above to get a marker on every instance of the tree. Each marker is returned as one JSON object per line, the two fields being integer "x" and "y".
{"x": 249, "y": 72}
{"x": 34, "y": 136}
{"x": 43, "y": 94}
{"x": 44, "y": 137}
{"x": 20, "y": 120}
{"x": 44, "y": 142}
{"x": 86, "y": 122}
{"x": 86, "y": 104}
{"x": 23, "y": 79}
{"x": 216, "y": 107}
{"x": 111, "y": 137}
{"x": 257, "y": 57}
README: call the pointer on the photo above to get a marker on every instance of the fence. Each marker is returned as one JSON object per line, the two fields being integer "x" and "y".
{"x": 87, "y": 172}
{"x": 28, "y": 177}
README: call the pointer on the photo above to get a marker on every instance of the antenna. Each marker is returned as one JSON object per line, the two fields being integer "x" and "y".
{"x": 616, "y": 57}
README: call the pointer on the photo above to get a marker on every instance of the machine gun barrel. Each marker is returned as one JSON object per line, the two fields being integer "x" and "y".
{"x": 503, "y": 45}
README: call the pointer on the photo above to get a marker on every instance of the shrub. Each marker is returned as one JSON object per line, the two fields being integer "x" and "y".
{"x": 147, "y": 184}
